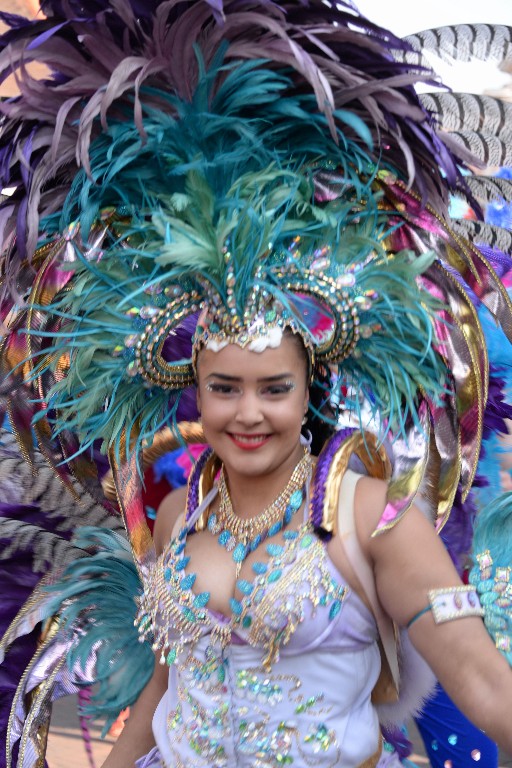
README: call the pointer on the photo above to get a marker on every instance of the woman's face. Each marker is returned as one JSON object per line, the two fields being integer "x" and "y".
{"x": 252, "y": 405}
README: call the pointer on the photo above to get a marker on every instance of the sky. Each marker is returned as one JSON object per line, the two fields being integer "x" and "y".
{"x": 406, "y": 16}
{"x": 403, "y": 17}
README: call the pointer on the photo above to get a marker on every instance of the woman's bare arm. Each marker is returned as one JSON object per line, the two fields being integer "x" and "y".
{"x": 136, "y": 738}
{"x": 408, "y": 561}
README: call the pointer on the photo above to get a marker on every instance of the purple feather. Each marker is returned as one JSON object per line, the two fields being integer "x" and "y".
{"x": 497, "y": 409}
{"x": 179, "y": 347}
{"x": 457, "y": 533}
{"x": 101, "y": 62}
{"x": 398, "y": 740}
{"x": 18, "y": 581}
{"x": 84, "y": 700}
{"x": 193, "y": 491}
{"x": 13, "y": 20}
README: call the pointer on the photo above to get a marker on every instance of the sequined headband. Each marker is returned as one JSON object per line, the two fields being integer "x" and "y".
{"x": 262, "y": 328}
{"x": 323, "y": 311}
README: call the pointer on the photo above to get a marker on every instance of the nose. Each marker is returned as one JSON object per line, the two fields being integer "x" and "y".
{"x": 249, "y": 410}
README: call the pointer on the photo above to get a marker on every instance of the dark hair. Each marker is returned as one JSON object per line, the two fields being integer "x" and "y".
{"x": 321, "y": 418}
{"x": 321, "y": 415}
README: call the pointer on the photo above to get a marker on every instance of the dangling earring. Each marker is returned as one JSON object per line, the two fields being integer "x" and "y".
{"x": 305, "y": 419}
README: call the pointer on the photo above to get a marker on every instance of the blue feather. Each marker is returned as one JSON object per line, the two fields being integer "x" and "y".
{"x": 95, "y": 602}
{"x": 492, "y": 547}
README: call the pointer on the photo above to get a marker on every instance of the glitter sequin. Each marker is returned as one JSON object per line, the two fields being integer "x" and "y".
{"x": 270, "y": 607}
{"x": 254, "y": 688}
{"x": 320, "y": 737}
{"x": 225, "y": 711}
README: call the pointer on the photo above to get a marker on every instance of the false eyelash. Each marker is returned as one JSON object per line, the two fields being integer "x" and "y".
{"x": 216, "y": 387}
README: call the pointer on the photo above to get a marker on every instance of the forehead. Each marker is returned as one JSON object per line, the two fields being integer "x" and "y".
{"x": 241, "y": 363}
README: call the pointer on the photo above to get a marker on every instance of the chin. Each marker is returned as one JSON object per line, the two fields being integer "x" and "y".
{"x": 250, "y": 463}
{"x": 260, "y": 461}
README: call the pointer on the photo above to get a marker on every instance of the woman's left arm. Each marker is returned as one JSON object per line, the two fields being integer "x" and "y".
{"x": 408, "y": 561}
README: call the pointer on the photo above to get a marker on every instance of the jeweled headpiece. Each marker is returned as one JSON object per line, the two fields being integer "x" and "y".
{"x": 309, "y": 303}
{"x": 259, "y": 326}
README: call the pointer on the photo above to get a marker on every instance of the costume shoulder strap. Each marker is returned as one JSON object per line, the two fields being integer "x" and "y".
{"x": 363, "y": 571}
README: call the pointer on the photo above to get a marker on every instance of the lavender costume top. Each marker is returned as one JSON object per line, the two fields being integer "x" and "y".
{"x": 291, "y": 687}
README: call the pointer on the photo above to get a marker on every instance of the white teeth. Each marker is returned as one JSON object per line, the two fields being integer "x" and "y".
{"x": 246, "y": 439}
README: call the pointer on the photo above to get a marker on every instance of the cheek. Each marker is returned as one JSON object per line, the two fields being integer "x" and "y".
{"x": 288, "y": 415}
{"x": 215, "y": 412}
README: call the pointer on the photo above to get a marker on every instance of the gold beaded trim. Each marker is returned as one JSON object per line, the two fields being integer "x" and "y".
{"x": 244, "y": 530}
{"x": 149, "y": 362}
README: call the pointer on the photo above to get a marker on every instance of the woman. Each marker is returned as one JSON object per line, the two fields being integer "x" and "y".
{"x": 254, "y": 211}
{"x": 307, "y": 701}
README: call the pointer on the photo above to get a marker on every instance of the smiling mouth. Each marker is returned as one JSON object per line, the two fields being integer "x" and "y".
{"x": 249, "y": 441}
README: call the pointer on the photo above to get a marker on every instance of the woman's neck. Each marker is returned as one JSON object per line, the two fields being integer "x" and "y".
{"x": 252, "y": 494}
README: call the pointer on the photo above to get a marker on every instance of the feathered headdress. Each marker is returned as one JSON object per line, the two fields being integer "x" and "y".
{"x": 242, "y": 164}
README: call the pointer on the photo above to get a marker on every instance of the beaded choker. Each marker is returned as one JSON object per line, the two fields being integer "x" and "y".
{"x": 241, "y": 536}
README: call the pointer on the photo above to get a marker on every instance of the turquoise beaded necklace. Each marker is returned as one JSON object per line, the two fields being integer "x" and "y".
{"x": 241, "y": 536}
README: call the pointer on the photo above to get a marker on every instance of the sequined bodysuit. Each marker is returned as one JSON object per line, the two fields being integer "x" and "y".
{"x": 292, "y": 684}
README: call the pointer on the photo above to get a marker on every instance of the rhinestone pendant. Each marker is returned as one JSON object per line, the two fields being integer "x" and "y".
{"x": 236, "y": 606}
{"x": 275, "y": 528}
{"x": 296, "y": 500}
{"x": 201, "y": 600}
{"x": 212, "y": 523}
{"x": 239, "y": 553}
{"x": 274, "y": 550}
{"x": 254, "y": 544}
{"x": 188, "y": 582}
{"x": 245, "y": 586}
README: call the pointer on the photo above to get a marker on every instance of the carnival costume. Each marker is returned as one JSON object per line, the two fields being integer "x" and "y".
{"x": 195, "y": 174}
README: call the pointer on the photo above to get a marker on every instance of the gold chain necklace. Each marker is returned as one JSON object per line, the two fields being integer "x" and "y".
{"x": 241, "y": 536}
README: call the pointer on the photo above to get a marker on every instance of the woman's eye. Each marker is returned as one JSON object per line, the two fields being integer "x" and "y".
{"x": 279, "y": 389}
{"x": 221, "y": 389}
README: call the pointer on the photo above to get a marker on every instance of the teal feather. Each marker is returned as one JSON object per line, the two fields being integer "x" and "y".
{"x": 215, "y": 174}
{"x": 98, "y": 398}
{"x": 404, "y": 314}
{"x": 95, "y": 602}
{"x": 218, "y": 127}
{"x": 493, "y": 530}
{"x": 493, "y": 536}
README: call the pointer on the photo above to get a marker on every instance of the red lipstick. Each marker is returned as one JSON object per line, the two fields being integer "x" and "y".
{"x": 249, "y": 442}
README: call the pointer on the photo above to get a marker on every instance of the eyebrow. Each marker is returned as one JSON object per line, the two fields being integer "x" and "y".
{"x": 224, "y": 377}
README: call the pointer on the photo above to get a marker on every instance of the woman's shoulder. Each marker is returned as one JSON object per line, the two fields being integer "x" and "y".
{"x": 370, "y": 491}
{"x": 370, "y": 500}
{"x": 170, "y": 512}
